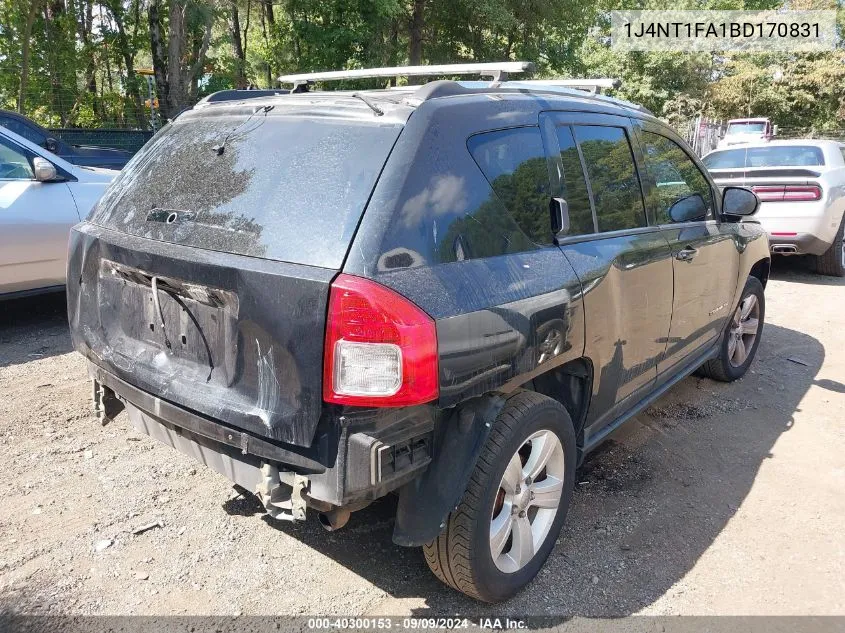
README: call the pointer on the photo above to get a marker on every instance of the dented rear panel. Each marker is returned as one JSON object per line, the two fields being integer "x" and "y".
{"x": 235, "y": 338}
{"x": 202, "y": 274}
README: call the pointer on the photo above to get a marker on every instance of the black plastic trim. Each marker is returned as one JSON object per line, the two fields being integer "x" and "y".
{"x": 182, "y": 418}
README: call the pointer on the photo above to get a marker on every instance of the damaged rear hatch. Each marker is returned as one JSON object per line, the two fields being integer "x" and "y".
{"x": 203, "y": 273}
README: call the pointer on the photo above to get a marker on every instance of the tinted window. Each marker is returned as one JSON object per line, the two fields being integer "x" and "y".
{"x": 514, "y": 163}
{"x": 574, "y": 185}
{"x": 29, "y": 132}
{"x": 770, "y": 156}
{"x": 286, "y": 186}
{"x": 14, "y": 164}
{"x": 613, "y": 177}
{"x": 675, "y": 176}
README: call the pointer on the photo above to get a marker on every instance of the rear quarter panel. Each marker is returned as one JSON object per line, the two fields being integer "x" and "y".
{"x": 752, "y": 244}
{"x": 492, "y": 302}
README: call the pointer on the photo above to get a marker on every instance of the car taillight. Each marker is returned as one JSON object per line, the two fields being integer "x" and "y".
{"x": 380, "y": 350}
{"x": 792, "y": 193}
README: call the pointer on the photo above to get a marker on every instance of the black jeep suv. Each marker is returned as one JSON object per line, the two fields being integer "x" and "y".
{"x": 450, "y": 292}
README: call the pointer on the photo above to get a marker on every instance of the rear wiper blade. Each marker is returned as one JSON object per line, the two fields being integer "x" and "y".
{"x": 372, "y": 106}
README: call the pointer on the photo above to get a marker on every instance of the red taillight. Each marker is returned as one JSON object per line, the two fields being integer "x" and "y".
{"x": 791, "y": 193}
{"x": 381, "y": 349}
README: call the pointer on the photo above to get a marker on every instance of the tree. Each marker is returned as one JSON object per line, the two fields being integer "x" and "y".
{"x": 179, "y": 52}
{"x": 31, "y": 12}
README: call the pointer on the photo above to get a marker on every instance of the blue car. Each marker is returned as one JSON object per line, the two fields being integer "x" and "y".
{"x": 83, "y": 155}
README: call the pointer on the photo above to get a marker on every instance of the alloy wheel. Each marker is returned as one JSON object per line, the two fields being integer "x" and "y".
{"x": 743, "y": 330}
{"x": 527, "y": 501}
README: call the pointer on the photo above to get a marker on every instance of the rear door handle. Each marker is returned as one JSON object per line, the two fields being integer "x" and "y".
{"x": 686, "y": 254}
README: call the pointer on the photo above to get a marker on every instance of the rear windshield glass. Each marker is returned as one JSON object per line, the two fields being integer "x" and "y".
{"x": 277, "y": 186}
{"x": 773, "y": 156}
{"x": 747, "y": 127}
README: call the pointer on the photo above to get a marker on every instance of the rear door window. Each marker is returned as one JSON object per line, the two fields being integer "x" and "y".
{"x": 514, "y": 162}
{"x": 613, "y": 177}
{"x": 574, "y": 185}
{"x": 674, "y": 175}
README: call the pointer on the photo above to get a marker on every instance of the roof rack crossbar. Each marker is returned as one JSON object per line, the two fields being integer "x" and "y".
{"x": 497, "y": 70}
{"x": 594, "y": 86}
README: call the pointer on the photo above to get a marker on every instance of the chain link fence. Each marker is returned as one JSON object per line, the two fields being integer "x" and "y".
{"x": 129, "y": 140}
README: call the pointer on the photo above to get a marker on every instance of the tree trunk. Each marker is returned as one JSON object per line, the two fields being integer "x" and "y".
{"x": 176, "y": 44}
{"x": 237, "y": 48}
{"x": 267, "y": 22}
{"x": 186, "y": 53}
{"x": 133, "y": 91}
{"x": 27, "y": 37}
{"x": 415, "y": 32}
{"x": 160, "y": 73}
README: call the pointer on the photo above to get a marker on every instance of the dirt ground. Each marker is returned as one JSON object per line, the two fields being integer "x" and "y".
{"x": 720, "y": 499}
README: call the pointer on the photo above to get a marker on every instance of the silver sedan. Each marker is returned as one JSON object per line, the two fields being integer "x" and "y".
{"x": 41, "y": 197}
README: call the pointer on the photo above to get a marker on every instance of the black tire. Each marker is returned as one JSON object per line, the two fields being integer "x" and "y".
{"x": 831, "y": 261}
{"x": 720, "y": 368}
{"x": 460, "y": 556}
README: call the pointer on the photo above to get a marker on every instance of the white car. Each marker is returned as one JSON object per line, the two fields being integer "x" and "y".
{"x": 801, "y": 186}
{"x": 41, "y": 197}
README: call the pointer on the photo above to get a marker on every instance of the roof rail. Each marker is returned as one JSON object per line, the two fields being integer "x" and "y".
{"x": 497, "y": 70}
{"x": 238, "y": 95}
{"x": 594, "y": 86}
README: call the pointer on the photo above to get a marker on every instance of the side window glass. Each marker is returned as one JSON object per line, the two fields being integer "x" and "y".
{"x": 681, "y": 192}
{"x": 514, "y": 162}
{"x": 14, "y": 164}
{"x": 613, "y": 177}
{"x": 22, "y": 129}
{"x": 574, "y": 185}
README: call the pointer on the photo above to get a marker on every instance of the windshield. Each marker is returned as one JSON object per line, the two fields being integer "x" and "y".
{"x": 770, "y": 156}
{"x": 277, "y": 186}
{"x": 748, "y": 127}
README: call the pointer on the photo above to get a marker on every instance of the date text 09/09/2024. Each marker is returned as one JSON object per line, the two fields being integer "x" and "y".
{"x": 411, "y": 623}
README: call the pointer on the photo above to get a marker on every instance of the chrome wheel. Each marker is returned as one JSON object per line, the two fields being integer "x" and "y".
{"x": 527, "y": 501}
{"x": 743, "y": 330}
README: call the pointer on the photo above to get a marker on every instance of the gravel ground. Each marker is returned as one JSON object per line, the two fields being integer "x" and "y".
{"x": 720, "y": 499}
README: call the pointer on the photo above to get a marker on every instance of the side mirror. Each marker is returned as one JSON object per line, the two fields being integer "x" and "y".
{"x": 739, "y": 201}
{"x": 44, "y": 170}
{"x": 688, "y": 209}
{"x": 559, "y": 212}
{"x": 774, "y": 130}
{"x": 51, "y": 145}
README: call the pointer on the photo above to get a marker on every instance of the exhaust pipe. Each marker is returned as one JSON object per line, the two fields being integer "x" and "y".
{"x": 334, "y": 519}
{"x": 784, "y": 249}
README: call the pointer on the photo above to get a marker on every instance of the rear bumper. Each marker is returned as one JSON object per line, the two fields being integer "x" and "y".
{"x": 357, "y": 457}
{"x": 799, "y": 244}
{"x": 799, "y": 228}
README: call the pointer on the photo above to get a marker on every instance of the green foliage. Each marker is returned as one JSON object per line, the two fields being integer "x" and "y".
{"x": 81, "y": 53}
